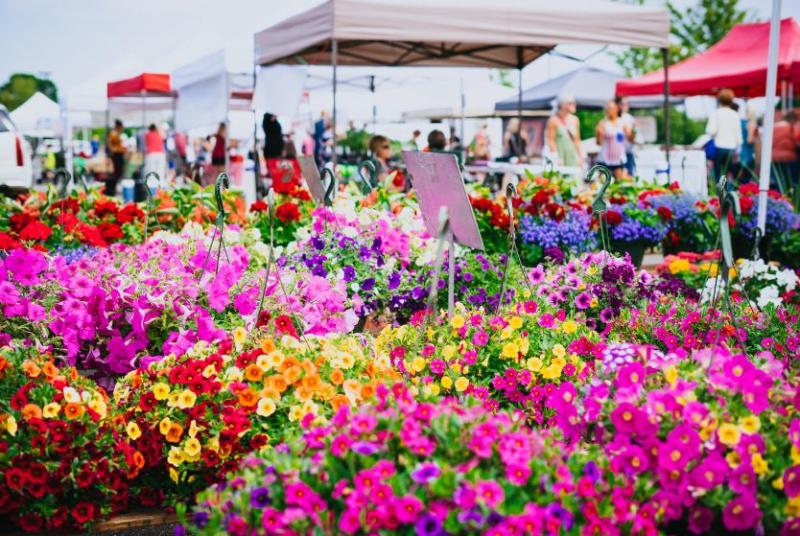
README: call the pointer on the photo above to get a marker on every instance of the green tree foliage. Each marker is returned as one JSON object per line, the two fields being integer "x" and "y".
{"x": 21, "y": 86}
{"x": 692, "y": 29}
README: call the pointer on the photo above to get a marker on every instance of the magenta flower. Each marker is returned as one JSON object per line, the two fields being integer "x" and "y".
{"x": 407, "y": 508}
{"x": 518, "y": 474}
{"x": 700, "y": 519}
{"x": 626, "y": 418}
{"x": 741, "y": 513}
{"x": 791, "y": 481}
{"x": 490, "y": 492}
{"x": 546, "y": 320}
{"x": 583, "y": 300}
{"x": 480, "y": 338}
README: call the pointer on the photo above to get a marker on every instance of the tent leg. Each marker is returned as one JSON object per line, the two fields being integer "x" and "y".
{"x": 519, "y": 87}
{"x": 463, "y": 105}
{"x": 256, "y": 158}
{"x": 769, "y": 115}
{"x": 667, "y": 137}
{"x": 374, "y": 107}
{"x": 334, "y": 51}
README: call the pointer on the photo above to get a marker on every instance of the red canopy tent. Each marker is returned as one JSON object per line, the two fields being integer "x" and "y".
{"x": 738, "y": 62}
{"x": 145, "y": 83}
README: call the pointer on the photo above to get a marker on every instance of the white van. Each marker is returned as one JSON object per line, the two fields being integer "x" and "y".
{"x": 16, "y": 170}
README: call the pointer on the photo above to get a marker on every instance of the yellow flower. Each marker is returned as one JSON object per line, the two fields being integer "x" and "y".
{"x": 794, "y": 454}
{"x": 447, "y": 382}
{"x": 461, "y": 384}
{"x": 98, "y": 405}
{"x": 193, "y": 428}
{"x": 778, "y": 483}
{"x": 510, "y": 350}
{"x": 295, "y": 413}
{"x": 266, "y": 407}
{"x": 750, "y": 424}
{"x": 733, "y": 459}
{"x": 133, "y": 431}
{"x": 161, "y": 390}
{"x": 186, "y": 399}
{"x": 594, "y": 303}
{"x": 192, "y": 447}
{"x": 457, "y": 322}
{"x": 263, "y": 362}
{"x": 591, "y": 269}
{"x": 50, "y": 411}
{"x": 239, "y": 335}
{"x": 671, "y": 374}
{"x": 526, "y": 293}
{"x": 433, "y": 389}
{"x": 173, "y": 474}
{"x": 175, "y": 456}
{"x": 449, "y": 351}
{"x": 569, "y": 327}
{"x": 524, "y": 346}
{"x": 275, "y": 359}
{"x": 534, "y": 364}
{"x": 418, "y": 365}
{"x": 11, "y": 425}
{"x": 456, "y": 367}
{"x": 793, "y": 507}
{"x": 679, "y": 265}
{"x": 506, "y": 333}
{"x": 559, "y": 350}
{"x": 164, "y": 425}
{"x": 760, "y": 465}
{"x": 515, "y": 322}
{"x": 729, "y": 435}
{"x": 172, "y": 399}
{"x": 551, "y": 372}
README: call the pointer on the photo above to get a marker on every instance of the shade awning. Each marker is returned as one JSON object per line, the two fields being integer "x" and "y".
{"x": 589, "y": 86}
{"x": 738, "y": 62}
{"x": 503, "y": 33}
{"x": 38, "y": 116}
{"x": 143, "y": 84}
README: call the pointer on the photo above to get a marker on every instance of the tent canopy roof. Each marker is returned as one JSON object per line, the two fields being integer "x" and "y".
{"x": 155, "y": 84}
{"x": 738, "y": 61}
{"x": 37, "y": 116}
{"x": 502, "y": 33}
{"x": 589, "y": 86}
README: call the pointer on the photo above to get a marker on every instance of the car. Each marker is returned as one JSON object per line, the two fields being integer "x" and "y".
{"x": 16, "y": 168}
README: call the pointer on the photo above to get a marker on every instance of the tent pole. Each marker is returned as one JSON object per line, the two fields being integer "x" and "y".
{"x": 519, "y": 87}
{"x": 334, "y": 51}
{"x": 665, "y": 58}
{"x": 256, "y": 158}
{"x": 374, "y": 107}
{"x": 463, "y": 104}
{"x": 769, "y": 115}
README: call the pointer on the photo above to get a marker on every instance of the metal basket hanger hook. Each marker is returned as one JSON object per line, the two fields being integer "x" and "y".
{"x": 370, "y": 178}
{"x": 549, "y": 166}
{"x": 599, "y": 203}
{"x": 222, "y": 180}
{"x": 63, "y": 172}
{"x": 511, "y": 192}
{"x": 330, "y": 190}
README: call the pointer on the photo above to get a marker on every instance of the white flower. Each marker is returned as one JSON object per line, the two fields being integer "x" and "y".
{"x": 787, "y": 279}
{"x": 769, "y": 295}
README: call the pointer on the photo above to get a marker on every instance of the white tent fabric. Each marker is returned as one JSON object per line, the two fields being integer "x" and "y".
{"x": 279, "y": 89}
{"x": 39, "y": 116}
{"x": 502, "y": 33}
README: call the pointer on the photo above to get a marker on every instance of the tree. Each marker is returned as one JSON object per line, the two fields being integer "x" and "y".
{"x": 21, "y": 86}
{"x": 692, "y": 29}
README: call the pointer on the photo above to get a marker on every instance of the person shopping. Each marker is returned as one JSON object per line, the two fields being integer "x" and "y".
{"x": 116, "y": 151}
{"x": 155, "y": 159}
{"x": 725, "y": 129}
{"x": 561, "y": 140}
{"x": 611, "y": 133}
{"x": 218, "y": 154}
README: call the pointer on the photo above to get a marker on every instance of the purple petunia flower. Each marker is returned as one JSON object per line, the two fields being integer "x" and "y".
{"x": 425, "y": 472}
{"x": 583, "y": 300}
{"x": 260, "y": 498}
{"x": 349, "y": 273}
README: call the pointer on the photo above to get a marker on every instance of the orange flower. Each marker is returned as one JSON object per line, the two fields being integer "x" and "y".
{"x": 50, "y": 370}
{"x": 31, "y": 411}
{"x": 368, "y": 390}
{"x": 136, "y": 381}
{"x": 174, "y": 433}
{"x": 132, "y": 473}
{"x": 138, "y": 459}
{"x": 326, "y": 391}
{"x": 311, "y": 381}
{"x": 319, "y": 361}
{"x": 31, "y": 369}
{"x": 73, "y": 374}
{"x": 248, "y": 398}
{"x": 353, "y": 386}
{"x": 3, "y": 364}
{"x": 270, "y": 392}
{"x": 225, "y": 450}
{"x": 292, "y": 374}
{"x": 118, "y": 420}
{"x": 338, "y": 401}
{"x": 73, "y": 411}
{"x": 279, "y": 383}
{"x": 288, "y": 362}
{"x": 253, "y": 373}
{"x": 267, "y": 345}
{"x": 337, "y": 377}
{"x": 308, "y": 366}
{"x": 303, "y": 393}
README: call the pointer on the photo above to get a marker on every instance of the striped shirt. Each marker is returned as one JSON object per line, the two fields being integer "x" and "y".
{"x": 612, "y": 150}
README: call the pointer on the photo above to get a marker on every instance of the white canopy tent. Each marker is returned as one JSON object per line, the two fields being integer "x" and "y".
{"x": 472, "y": 33}
{"x": 38, "y": 117}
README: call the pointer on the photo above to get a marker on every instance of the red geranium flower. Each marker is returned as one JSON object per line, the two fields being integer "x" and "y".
{"x": 111, "y": 232}
{"x": 67, "y": 221}
{"x": 745, "y": 203}
{"x": 16, "y": 478}
{"x": 259, "y": 206}
{"x": 749, "y": 188}
{"x": 128, "y": 213}
{"x": 35, "y": 230}
{"x": 31, "y": 522}
{"x": 665, "y": 213}
{"x": 147, "y": 401}
{"x": 91, "y": 235}
{"x": 8, "y": 242}
{"x": 288, "y": 212}
{"x": 104, "y": 208}
{"x": 19, "y": 220}
{"x": 66, "y": 205}
{"x": 613, "y": 217}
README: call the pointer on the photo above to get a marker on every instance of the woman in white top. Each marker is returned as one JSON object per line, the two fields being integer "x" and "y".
{"x": 611, "y": 134}
{"x": 725, "y": 128}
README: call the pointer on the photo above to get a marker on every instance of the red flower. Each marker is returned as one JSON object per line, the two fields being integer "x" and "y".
{"x": 8, "y": 242}
{"x": 19, "y": 220}
{"x": 147, "y": 401}
{"x": 111, "y": 232}
{"x": 288, "y": 212}
{"x": 37, "y": 473}
{"x": 66, "y": 205}
{"x": 83, "y": 512}
{"x": 749, "y": 188}
{"x": 674, "y": 237}
{"x": 541, "y": 197}
{"x": 35, "y": 230}
{"x": 263, "y": 319}
{"x": 210, "y": 457}
{"x": 16, "y": 478}
{"x": 104, "y": 208}
{"x": 91, "y": 235}
{"x": 128, "y": 213}
{"x": 283, "y": 324}
{"x": 665, "y": 213}
{"x": 613, "y": 217}
{"x": 619, "y": 199}
{"x": 30, "y": 522}
{"x": 67, "y": 221}
{"x": 84, "y": 478}
{"x": 59, "y": 518}
{"x": 259, "y": 206}
{"x": 555, "y": 211}
{"x": 745, "y": 202}
{"x": 19, "y": 399}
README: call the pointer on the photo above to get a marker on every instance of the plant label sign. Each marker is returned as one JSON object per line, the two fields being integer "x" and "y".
{"x": 438, "y": 183}
{"x": 308, "y": 167}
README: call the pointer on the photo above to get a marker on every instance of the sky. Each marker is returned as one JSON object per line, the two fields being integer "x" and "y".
{"x": 82, "y": 44}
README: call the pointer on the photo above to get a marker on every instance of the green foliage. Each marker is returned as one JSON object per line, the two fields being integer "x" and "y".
{"x": 20, "y": 87}
{"x": 693, "y": 30}
{"x": 502, "y": 77}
